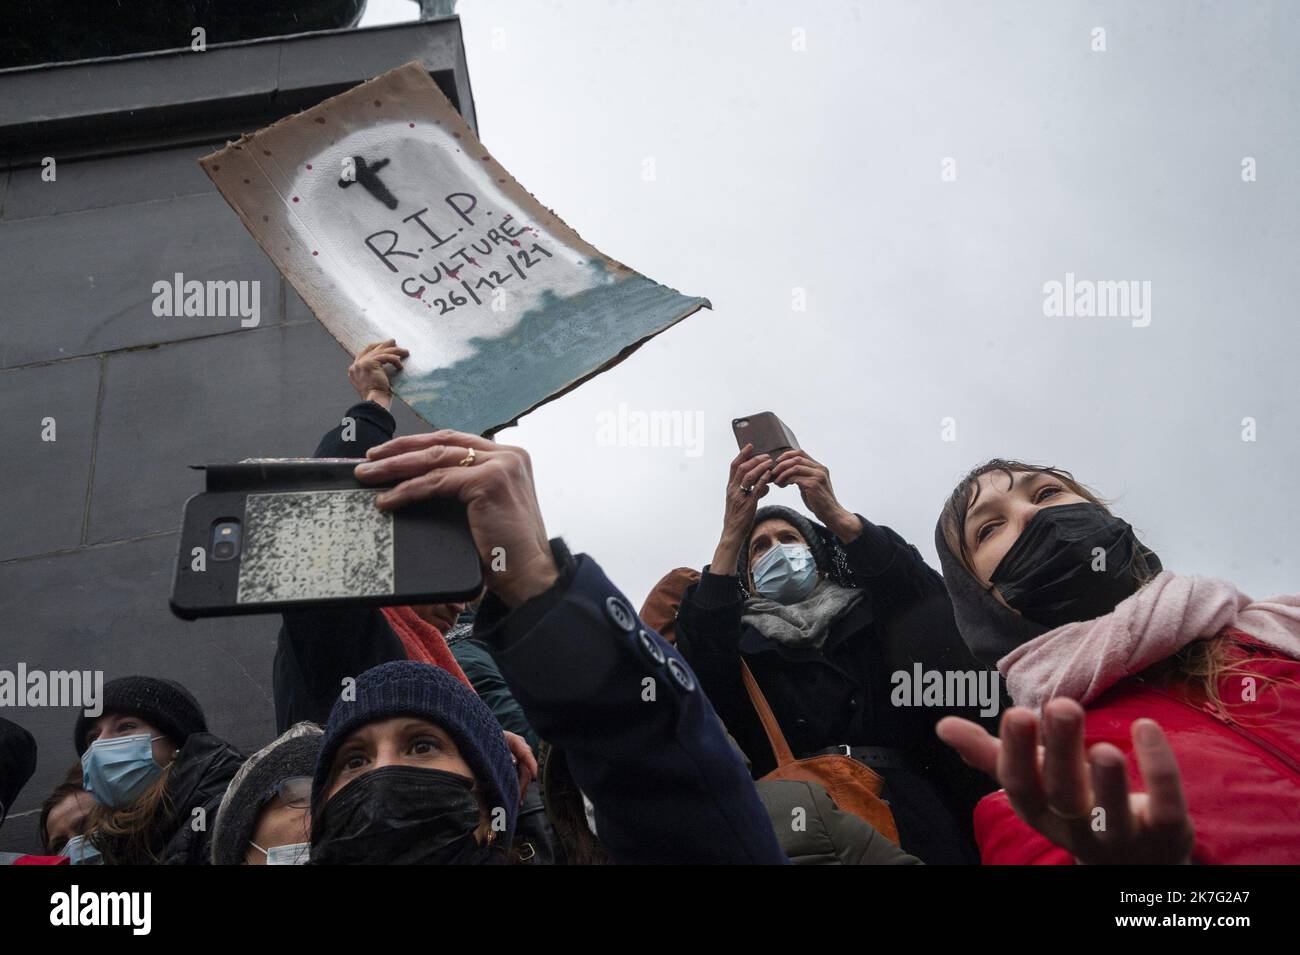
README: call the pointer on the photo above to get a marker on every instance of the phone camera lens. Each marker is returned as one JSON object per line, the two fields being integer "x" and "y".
{"x": 225, "y": 540}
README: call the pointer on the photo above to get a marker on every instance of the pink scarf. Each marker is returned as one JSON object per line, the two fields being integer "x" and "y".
{"x": 1083, "y": 660}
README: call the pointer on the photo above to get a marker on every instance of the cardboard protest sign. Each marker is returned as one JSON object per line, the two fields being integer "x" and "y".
{"x": 392, "y": 221}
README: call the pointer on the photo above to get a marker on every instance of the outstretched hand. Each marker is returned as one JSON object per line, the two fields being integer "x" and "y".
{"x": 1080, "y": 800}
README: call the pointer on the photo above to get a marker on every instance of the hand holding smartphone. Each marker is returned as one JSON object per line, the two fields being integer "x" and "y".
{"x": 766, "y": 432}
{"x": 269, "y": 536}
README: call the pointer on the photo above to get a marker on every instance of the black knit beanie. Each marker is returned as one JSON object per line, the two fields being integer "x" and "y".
{"x": 407, "y": 688}
{"x": 164, "y": 703}
{"x": 292, "y": 754}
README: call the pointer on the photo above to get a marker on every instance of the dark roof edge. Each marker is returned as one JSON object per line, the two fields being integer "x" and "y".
{"x": 93, "y": 107}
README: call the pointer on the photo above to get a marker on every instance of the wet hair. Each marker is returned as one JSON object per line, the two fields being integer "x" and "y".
{"x": 967, "y": 493}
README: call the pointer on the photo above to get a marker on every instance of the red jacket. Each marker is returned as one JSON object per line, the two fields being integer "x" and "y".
{"x": 1241, "y": 780}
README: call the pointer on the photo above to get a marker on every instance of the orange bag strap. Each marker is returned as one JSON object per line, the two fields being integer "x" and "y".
{"x": 775, "y": 738}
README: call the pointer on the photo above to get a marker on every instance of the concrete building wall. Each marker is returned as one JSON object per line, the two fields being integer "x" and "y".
{"x": 88, "y": 521}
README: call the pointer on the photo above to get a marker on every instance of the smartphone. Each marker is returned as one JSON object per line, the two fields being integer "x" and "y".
{"x": 273, "y": 535}
{"x": 766, "y": 432}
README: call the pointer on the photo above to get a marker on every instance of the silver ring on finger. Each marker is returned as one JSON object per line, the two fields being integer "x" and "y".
{"x": 746, "y": 490}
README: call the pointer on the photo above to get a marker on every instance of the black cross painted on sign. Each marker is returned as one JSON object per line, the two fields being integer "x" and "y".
{"x": 368, "y": 178}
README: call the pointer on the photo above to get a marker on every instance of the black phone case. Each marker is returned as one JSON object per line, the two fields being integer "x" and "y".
{"x": 434, "y": 557}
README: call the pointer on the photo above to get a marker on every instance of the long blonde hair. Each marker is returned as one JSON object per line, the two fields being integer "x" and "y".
{"x": 130, "y": 835}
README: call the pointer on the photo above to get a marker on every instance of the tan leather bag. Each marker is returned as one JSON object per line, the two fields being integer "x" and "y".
{"x": 854, "y": 787}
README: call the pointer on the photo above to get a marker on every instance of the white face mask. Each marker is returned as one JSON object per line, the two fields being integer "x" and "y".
{"x": 82, "y": 851}
{"x": 787, "y": 573}
{"x": 295, "y": 853}
{"x": 118, "y": 771}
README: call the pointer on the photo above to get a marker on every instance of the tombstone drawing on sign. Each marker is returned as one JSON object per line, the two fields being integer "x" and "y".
{"x": 391, "y": 220}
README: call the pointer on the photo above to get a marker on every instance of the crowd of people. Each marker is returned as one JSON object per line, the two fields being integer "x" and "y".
{"x": 750, "y": 713}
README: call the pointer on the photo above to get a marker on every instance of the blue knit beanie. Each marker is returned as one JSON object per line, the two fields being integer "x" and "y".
{"x": 407, "y": 688}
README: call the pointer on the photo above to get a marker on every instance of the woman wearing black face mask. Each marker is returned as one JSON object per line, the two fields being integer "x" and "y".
{"x": 414, "y": 770}
{"x": 666, "y": 785}
{"x": 1065, "y": 599}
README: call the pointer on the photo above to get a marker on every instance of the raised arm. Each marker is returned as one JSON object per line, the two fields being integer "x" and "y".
{"x": 316, "y": 649}
{"x": 708, "y": 621}
{"x": 643, "y": 741}
{"x": 888, "y": 567}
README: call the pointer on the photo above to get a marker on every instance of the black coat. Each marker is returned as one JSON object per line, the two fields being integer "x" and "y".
{"x": 640, "y": 736}
{"x": 318, "y": 648}
{"x": 203, "y": 769}
{"x": 196, "y": 780}
{"x": 841, "y": 693}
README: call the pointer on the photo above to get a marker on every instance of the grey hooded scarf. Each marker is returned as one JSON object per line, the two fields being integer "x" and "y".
{"x": 827, "y": 552}
{"x": 989, "y": 630}
{"x": 805, "y": 624}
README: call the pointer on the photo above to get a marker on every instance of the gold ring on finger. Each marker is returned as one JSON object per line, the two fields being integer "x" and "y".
{"x": 468, "y": 459}
{"x": 1067, "y": 816}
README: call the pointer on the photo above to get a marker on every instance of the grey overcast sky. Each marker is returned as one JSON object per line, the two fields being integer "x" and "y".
{"x": 777, "y": 169}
